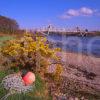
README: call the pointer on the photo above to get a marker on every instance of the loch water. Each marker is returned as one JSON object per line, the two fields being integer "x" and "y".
{"x": 88, "y": 45}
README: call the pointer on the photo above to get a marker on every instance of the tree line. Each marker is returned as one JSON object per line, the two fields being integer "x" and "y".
{"x": 8, "y": 25}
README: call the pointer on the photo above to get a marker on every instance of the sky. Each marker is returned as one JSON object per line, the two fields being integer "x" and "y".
{"x": 60, "y": 13}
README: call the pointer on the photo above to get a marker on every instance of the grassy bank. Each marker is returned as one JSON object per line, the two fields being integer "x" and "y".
{"x": 5, "y": 38}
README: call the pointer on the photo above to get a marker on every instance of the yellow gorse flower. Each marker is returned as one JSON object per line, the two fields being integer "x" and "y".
{"x": 25, "y": 49}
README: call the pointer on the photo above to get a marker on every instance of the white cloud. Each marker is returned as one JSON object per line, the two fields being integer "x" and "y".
{"x": 83, "y": 11}
{"x": 86, "y": 11}
{"x": 72, "y": 12}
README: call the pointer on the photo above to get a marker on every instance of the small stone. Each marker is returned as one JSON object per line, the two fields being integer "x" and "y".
{"x": 76, "y": 98}
{"x": 71, "y": 98}
{"x": 82, "y": 98}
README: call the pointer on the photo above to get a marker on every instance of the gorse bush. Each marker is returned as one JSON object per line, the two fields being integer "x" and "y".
{"x": 57, "y": 73}
{"x": 31, "y": 52}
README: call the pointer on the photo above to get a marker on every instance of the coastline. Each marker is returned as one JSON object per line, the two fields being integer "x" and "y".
{"x": 92, "y": 33}
{"x": 82, "y": 69}
{"x": 90, "y": 63}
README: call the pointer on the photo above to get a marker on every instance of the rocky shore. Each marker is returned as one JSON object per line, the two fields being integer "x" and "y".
{"x": 80, "y": 79}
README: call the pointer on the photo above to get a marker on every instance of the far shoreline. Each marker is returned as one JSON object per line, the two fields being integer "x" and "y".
{"x": 85, "y": 34}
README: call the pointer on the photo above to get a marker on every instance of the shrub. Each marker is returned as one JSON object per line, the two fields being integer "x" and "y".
{"x": 30, "y": 52}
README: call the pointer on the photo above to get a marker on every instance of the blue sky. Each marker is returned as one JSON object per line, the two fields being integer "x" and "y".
{"x": 60, "y": 13}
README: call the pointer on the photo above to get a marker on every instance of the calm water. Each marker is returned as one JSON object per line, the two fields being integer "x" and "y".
{"x": 86, "y": 45}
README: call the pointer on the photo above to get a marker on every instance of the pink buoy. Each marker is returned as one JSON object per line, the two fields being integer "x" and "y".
{"x": 29, "y": 78}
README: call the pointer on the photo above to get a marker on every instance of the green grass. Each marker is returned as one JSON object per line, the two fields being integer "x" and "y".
{"x": 39, "y": 90}
{"x": 2, "y": 90}
{"x": 5, "y": 38}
